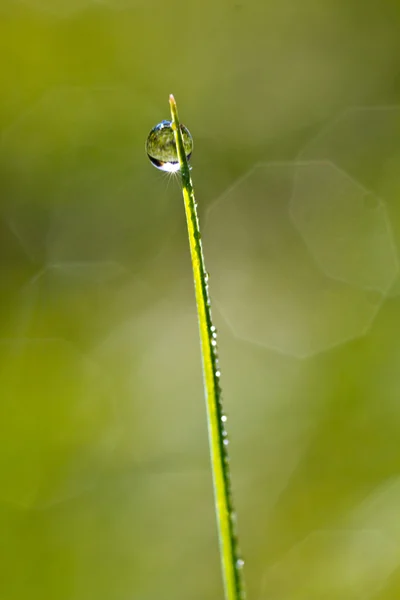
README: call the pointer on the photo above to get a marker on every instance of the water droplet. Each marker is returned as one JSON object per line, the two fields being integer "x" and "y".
{"x": 240, "y": 563}
{"x": 224, "y": 418}
{"x": 225, "y": 442}
{"x": 161, "y": 148}
{"x": 224, "y": 433}
{"x": 213, "y": 328}
{"x": 213, "y": 342}
{"x": 217, "y": 373}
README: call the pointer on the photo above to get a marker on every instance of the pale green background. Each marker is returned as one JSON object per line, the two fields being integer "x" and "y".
{"x": 105, "y": 485}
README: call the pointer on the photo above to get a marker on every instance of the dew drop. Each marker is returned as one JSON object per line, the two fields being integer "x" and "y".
{"x": 161, "y": 148}
{"x": 213, "y": 328}
{"x": 224, "y": 418}
{"x": 225, "y": 442}
{"x": 213, "y": 342}
{"x": 240, "y": 563}
{"x": 217, "y": 373}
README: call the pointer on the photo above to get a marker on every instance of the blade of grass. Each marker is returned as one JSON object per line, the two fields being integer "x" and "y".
{"x": 230, "y": 559}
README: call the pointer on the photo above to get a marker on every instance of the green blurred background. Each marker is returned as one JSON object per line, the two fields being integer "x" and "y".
{"x": 105, "y": 484}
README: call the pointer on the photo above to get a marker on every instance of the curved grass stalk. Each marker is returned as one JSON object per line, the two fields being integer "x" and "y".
{"x": 231, "y": 562}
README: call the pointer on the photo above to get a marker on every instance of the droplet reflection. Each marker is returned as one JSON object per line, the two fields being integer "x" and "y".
{"x": 161, "y": 147}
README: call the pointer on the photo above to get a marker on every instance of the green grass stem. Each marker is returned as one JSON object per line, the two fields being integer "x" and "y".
{"x": 232, "y": 564}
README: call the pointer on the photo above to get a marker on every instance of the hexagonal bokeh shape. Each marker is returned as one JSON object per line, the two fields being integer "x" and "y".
{"x": 345, "y": 227}
{"x": 267, "y": 283}
{"x": 365, "y": 143}
{"x": 58, "y": 424}
{"x": 379, "y": 510}
{"x": 351, "y": 564}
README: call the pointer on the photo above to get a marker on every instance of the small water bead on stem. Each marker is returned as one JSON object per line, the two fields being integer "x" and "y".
{"x": 169, "y": 147}
{"x": 161, "y": 147}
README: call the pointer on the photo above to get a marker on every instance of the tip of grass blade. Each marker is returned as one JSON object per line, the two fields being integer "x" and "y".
{"x": 174, "y": 111}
